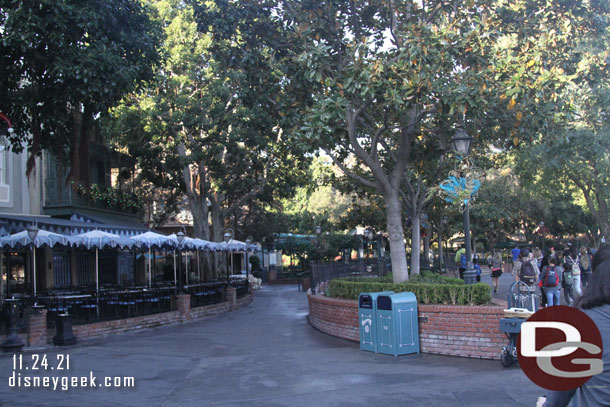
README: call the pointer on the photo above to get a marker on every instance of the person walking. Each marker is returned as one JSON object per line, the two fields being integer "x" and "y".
{"x": 495, "y": 265}
{"x": 572, "y": 265}
{"x": 585, "y": 264}
{"x": 538, "y": 256}
{"x": 460, "y": 260}
{"x": 550, "y": 278}
{"x": 526, "y": 270}
{"x": 515, "y": 252}
{"x": 567, "y": 281}
{"x": 595, "y": 302}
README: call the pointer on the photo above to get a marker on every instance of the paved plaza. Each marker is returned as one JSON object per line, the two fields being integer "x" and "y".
{"x": 263, "y": 355}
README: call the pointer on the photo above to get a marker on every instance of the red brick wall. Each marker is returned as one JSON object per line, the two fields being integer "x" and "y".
{"x": 151, "y": 321}
{"x": 37, "y": 329}
{"x": 449, "y": 330}
{"x": 334, "y": 316}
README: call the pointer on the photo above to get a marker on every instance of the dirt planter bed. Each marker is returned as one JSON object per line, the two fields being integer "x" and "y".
{"x": 456, "y": 330}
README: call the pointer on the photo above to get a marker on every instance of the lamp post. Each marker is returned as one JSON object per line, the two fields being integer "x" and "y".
{"x": 32, "y": 233}
{"x": 318, "y": 231}
{"x": 542, "y": 234}
{"x": 441, "y": 253}
{"x": 461, "y": 143}
{"x": 249, "y": 240}
{"x": 180, "y": 237}
{"x": 227, "y": 238}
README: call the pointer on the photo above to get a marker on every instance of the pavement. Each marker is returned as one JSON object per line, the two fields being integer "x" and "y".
{"x": 265, "y": 354}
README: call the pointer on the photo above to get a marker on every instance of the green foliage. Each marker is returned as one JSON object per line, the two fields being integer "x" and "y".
{"x": 64, "y": 63}
{"x": 208, "y": 127}
{"x": 111, "y": 197}
{"x": 427, "y": 290}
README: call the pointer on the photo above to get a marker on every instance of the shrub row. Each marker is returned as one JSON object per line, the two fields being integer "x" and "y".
{"x": 426, "y": 290}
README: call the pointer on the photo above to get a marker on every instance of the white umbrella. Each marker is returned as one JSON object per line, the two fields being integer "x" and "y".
{"x": 99, "y": 239}
{"x": 193, "y": 244}
{"x": 235, "y": 246}
{"x": 152, "y": 240}
{"x": 43, "y": 238}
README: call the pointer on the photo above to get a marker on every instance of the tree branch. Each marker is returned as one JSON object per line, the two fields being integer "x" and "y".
{"x": 352, "y": 175}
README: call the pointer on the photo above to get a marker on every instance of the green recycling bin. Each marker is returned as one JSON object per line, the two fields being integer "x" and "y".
{"x": 367, "y": 309}
{"x": 397, "y": 324}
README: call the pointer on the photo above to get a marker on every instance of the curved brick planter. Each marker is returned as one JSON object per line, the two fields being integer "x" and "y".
{"x": 456, "y": 330}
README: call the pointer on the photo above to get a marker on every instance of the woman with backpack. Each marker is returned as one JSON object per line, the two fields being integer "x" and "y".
{"x": 550, "y": 278}
{"x": 570, "y": 264}
{"x": 595, "y": 302}
{"x": 585, "y": 262}
{"x": 568, "y": 281}
{"x": 495, "y": 264}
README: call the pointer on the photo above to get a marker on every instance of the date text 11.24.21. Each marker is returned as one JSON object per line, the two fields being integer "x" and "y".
{"x": 41, "y": 362}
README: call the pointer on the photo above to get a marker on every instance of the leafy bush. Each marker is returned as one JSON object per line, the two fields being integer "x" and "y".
{"x": 428, "y": 289}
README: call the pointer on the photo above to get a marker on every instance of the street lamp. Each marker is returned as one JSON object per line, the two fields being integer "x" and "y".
{"x": 227, "y": 238}
{"x": 32, "y": 233}
{"x": 441, "y": 254}
{"x": 249, "y": 241}
{"x": 461, "y": 143}
{"x": 542, "y": 232}
{"x": 180, "y": 237}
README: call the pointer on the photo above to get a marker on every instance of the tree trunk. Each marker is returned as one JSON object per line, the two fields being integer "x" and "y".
{"x": 415, "y": 242}
{"x": 220, "y": 265}
{"x": 396, "y": 237}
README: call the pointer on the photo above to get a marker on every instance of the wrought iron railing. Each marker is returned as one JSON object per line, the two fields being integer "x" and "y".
{"x": 322, "y": 273}
{"x": 205, "y": 293}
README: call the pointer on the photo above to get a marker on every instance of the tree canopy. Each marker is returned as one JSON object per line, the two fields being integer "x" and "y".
{"x": 64, "y": 64}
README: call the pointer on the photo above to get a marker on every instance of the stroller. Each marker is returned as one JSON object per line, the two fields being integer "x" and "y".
{"x": 522, "y": 303}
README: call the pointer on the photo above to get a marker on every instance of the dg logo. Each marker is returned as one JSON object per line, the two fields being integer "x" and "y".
{"x": 560, "y": 348}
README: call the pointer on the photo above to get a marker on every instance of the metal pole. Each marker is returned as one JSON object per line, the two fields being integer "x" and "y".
{"x": 180, "y": 278}
{"x": 149, "y": 271}
{"x": 97, "y": 271}
{"x": 467, "y": 233}
{"x": 34, "y": 267}
{"x": 469, "y": 273}
{"x": 175, "y": 278}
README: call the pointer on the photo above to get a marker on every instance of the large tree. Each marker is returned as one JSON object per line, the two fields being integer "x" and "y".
{"x": 208, "y": 127}
{"x": 573, "y": 156}
{"x": 391, "y": 82}
{"x": 64, "y": 63}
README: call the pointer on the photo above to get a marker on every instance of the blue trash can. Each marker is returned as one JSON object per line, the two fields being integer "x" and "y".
{"x": 397, "y": 324}
{"x": 367, "y": 309}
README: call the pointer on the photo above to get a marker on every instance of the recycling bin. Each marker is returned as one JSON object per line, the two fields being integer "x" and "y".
{"x": 397, "y": 324}
{"x": 367, "y": 309}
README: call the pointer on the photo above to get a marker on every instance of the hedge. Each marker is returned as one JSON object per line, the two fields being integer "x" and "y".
{"x": 426, "y": 290}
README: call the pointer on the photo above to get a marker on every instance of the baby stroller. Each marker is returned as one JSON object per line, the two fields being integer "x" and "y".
{"x": 522, "y": 303}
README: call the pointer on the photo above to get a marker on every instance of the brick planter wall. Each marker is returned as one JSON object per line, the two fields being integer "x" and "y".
{"x": 456, "y": 330}
{"x": 184, "y": 313}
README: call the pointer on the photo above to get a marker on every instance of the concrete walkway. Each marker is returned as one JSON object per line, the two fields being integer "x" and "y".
{"x": 264, "y": 355}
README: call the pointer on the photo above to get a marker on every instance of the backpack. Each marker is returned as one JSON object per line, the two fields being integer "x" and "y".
{"x": 527, "y": 274}
{"x": 551, "y": 279}
{"x": 575, "y": 269}
{"x": 568, "y": 278}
